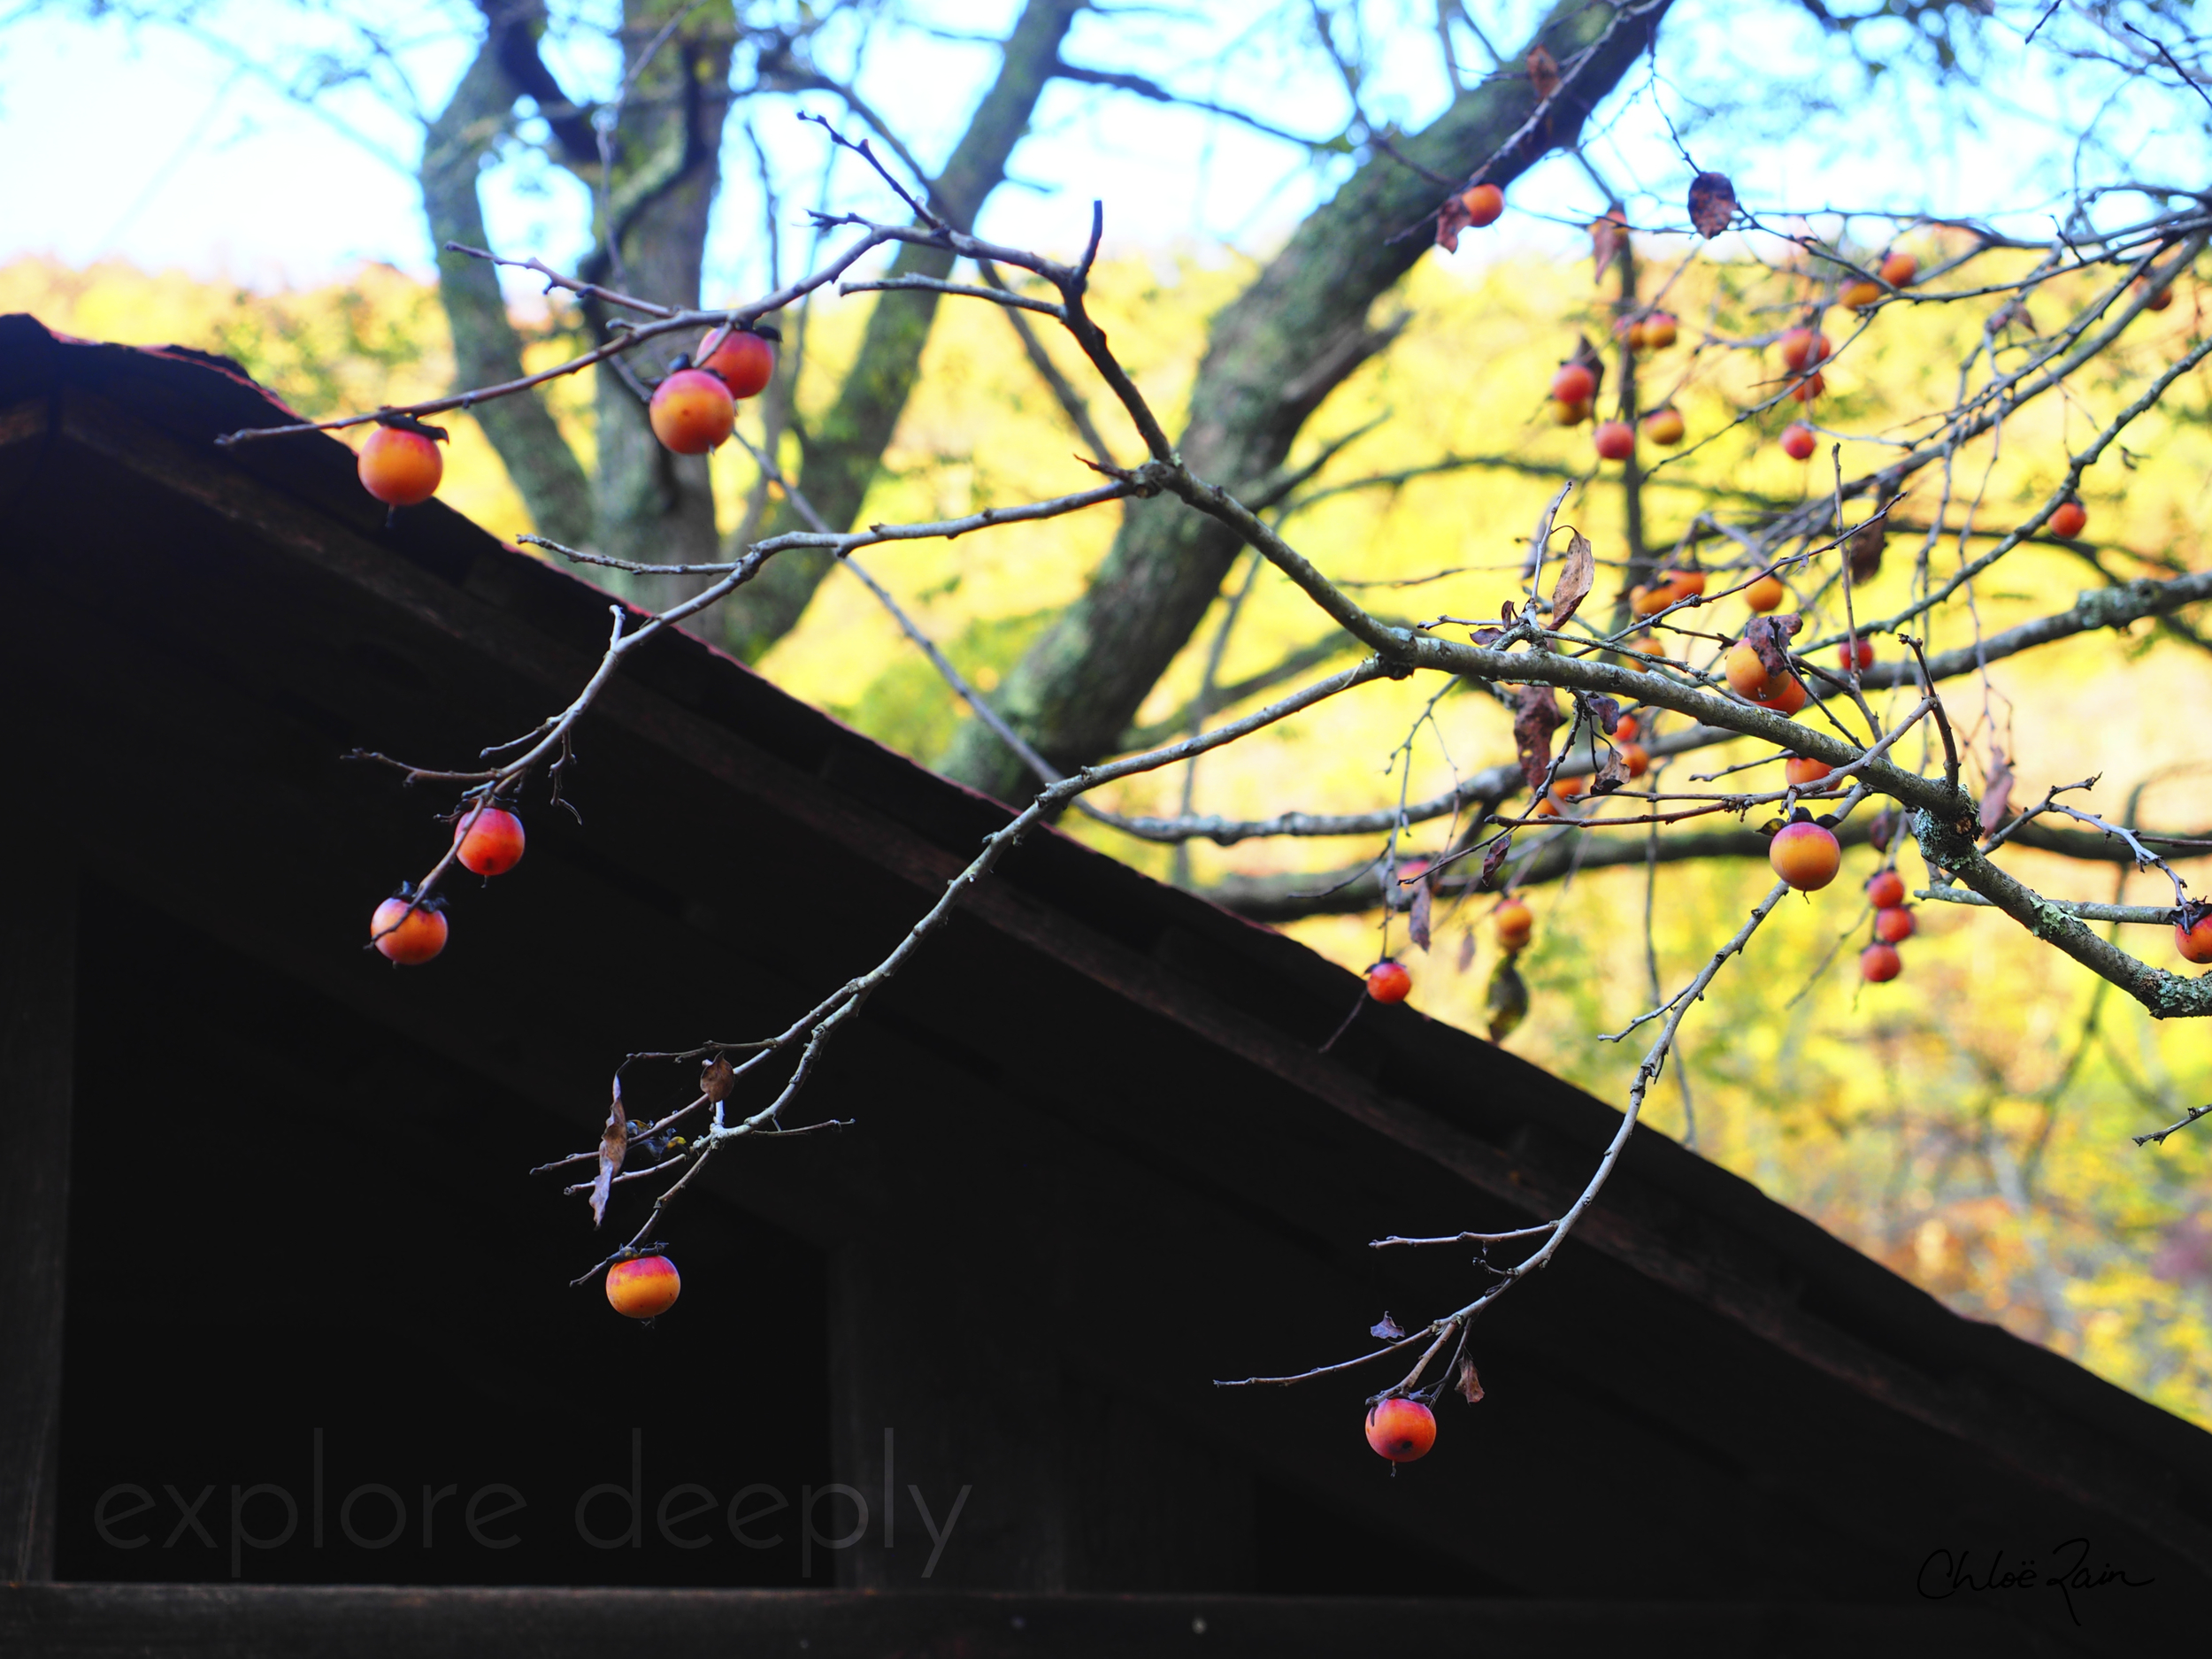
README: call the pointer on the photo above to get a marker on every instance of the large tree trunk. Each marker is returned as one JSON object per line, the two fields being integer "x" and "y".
{"x": 486, "y": 348}
{"x": 1276, "y": 352}
{"x": 841, "y": 454}
{"x": 656, "y": 507}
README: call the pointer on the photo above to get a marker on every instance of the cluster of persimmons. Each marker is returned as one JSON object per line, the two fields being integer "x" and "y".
{"x": 694, "y": 410}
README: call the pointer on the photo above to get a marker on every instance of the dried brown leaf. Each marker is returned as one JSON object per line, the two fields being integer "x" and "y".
{"x": 1864, "y": 549}
{"x": 1386, "y": 1330}
{"x": 1770, "y": 636}
{"x": 1608, "y": 237}
{"x": 1577, "y": 577}
{"x": 1417, "y": 914}
{"x": 1612, "y": 773}
{"x": 1469, "y": 1385}
{"x": 716, "y": 1078}
{"x": 614, "y": 1140}
{"x": 1535, "y": 717}
{"x": 1451, "y": 219}
{"x": 1605, "y": 712}
{"x": 1543, "y": 71}
{"x": 1491, "y": 860}
{"x": 1997, "y": 796}
{"x": 1712, "y": 203}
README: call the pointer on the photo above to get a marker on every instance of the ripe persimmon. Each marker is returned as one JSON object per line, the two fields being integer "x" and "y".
{"x": 2159, "y": 299}
{"x": 1766, "y": 593}
{"x": 692, "y": 412}
{"x": 1515, "y": 923}
{"x": 1893, "y": 924}
{"x": 1635, "y": 759}
{"x": 1387, "y": 982}
{"x": 1649, "y": 601}
{"x": 2068, "y": 518}
{"x": 644, "y": 1286}
{"x": 1803, "y": 347}
{"x": 1646, "y": 645}
{"x": 1574, "y": 384}
{"x": 1805, "y": 855}
{"x": 1400, "y": 1429}
{"x": 744, "y": 359}
{"x": 1484, "y": 203}
{"x": 1886, "y": 889}
{"x": 1802, "y": 772}
{"x": 1785, "y": 696}
{"x": 1809, "y": 388}
{"x": 1746, "y": 672}
{"x": 1862, "y": 648}
{"x": 488, "y": 840}
{"x": 1627, "y": 728}
{"x": 2195, "y": 943}
{"x": 1566, "y": 414}
{"x": 1665, "y": 426}
{"x": 1879, "y": 963}
{"x": 408, "y": 938}
{"x": 1616, "y": 440}
{"x": 1899, "y": 268}
{"x": 1659, "y": 330}
{"x": 1689, "y": 581}
{"x": 1798, "y": 442}
{"x": 1860, "y": 294}
{"x": 401, "y": 465}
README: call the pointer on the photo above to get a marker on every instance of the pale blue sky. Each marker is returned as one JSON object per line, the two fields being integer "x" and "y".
{"x": 185, "y": 156}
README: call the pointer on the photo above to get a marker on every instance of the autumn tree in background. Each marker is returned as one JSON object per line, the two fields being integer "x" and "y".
{"x": 1767, "y": 457}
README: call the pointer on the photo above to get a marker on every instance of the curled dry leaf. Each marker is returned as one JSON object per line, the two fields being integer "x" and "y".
{"x": 1770, "y": 636}
{"x": 614, "y": 1140}
{"x": 1997, "y": 794}
{"x": 1604, "y": 711}
{"x": 1576, "y": 576}
{"x": 1864, "y": 549}
{"x": 1451, "y": 219}
{"x": 1469, "y": 1385}
{"x": 1712, "y": 203}
{"x": 1467, "y": 950}
{"x": 1543, "y": 71}
{"x": 1417, "y": 918}
{"x": 1386, "y": 1329}
{"x": 1491, "y": 860}
{"x": 1611, "y": 775}
{"x": 1608, "y": 237}
{"x": 1535, "y": 717}
{"x": 716, "y": 1078}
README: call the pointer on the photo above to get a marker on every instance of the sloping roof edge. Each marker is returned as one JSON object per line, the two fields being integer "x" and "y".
{"x": 1669, "y": 1210}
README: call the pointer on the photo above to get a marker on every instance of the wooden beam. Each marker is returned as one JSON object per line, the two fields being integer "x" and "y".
{"x": 109, "y": 1621}
{"x": 37, "y": 1036}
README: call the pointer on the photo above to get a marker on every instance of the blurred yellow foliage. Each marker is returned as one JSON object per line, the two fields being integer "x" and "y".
{"x": 1967, "y": 1124}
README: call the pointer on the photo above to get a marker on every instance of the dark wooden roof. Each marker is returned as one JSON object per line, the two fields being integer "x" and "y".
{"x": 1097, "y": 1154}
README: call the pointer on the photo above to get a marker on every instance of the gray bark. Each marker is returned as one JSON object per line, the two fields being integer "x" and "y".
{"x": 1276, "y": 352}
{"x": 656, "y": 507}
{"x": 843, "y": 453}
{"x": 487, "y": 350}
